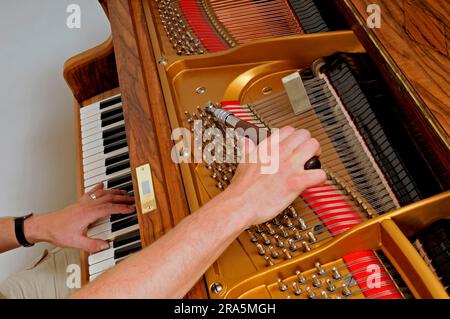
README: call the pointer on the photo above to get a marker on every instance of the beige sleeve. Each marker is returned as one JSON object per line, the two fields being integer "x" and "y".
{"x": 44, "y": 279}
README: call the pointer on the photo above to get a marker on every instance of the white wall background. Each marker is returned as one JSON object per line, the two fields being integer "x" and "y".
{"x": 37, "y": 148}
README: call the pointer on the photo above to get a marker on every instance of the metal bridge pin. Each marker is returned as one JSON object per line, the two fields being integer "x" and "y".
{"x": 266, "y": 240}
{"x": 261, "y": 249}
{"x": 293, "y": 212}
{"x": 286, "y": 253}
{"x": 316, "y": 281}
{"x": 297, "y": 289}
{"x": 270, "y": 229}
{"x": 330, "y": 285}
{"x": 320, "y": 270}
{"x": 253, "y": 238}
{"x": 300, "y": 277}
{"x": 335, "y": 273}
{"x": 346, "y": 291}
{"x": 259, "y": 230}
{"x": 325, "y": 295}
{"x": 273, "y": 252}
{"x": 311, "y": 294}
{"x": 282, "y": 285}
{"x": 302, "y": 223}
{"x": 297, "y": 234}
{"x": 219, "y": 185}
{"x": 276, "y": 221}
{"x": 280, "y": 243}
{"x": 305, "y": 246}
{"x": 292, "y": 245}
{"x": 288, "y": 221}
{"x": 284, "y": 233}
{"x": 269, "y": 262}
{"x": 312, "y": 237}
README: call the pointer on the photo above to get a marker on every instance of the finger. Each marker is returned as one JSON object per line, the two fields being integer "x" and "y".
{"x": 97, "y": 187}
{"x": 277, "y": 136}
{"x": 93, "y": 245}
{"x": 305, "y": 152}
{"x": 247, "y": 147}
{"x": 107, "y": 209}
{"x": 294, "y": 140}
{"x": 299, "y": 182}
{"x": 116, "y": 199}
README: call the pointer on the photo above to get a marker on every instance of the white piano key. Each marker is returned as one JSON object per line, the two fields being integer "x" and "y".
{"x": 97, "y": 130}
{"x": 103, "y": 157}
{"x": 93, "y": 151}
{"x": 93, "y": 144}
{"x": 91, "y": 126}
{"x": 102, "y": 266}
{"x": 103, "y": 177}
{"x": 97, "y": 115}
{"x": 87, "y": 189}
{"x": 99, "y": 229}
{"x": 108, "y": 235}
{"x": 89, "y": 108}
{"x": 92, "y": 138}
{"x": 93, "y": 277}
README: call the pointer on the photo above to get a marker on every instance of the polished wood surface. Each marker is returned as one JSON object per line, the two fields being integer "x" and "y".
{"x": 417, "y": 74}
{"x": 147, "y": 122}
{"x": 92, "y": 72}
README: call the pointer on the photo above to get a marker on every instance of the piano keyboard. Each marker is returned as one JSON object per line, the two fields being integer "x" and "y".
{"x": 201, "y": 26}
{"x": 106, "y": 160}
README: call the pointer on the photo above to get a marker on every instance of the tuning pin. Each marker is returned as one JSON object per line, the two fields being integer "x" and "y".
{"x": 312, "y": 237}
{"x": 330, "y": 285}
{"x": 276, "y": 221}
{"x": 282, "y": 285}
{"x": 297, "y": 234}
{"x": 273, "y": 252}
{"x": 320, "y": 270}
{"x": 335, "y": 273}
{"x": 288, "y": 221}
{"x": 345, "y": 290}
{"x": 286, "y": 253}
{"x": 316, "y": 281}
{"x": 270, "y": 229}
{"x": 297, "y": 289}
{"x": 292, "y": 245}
{"x": 280, "y": 243}
{"x": 300, "y": 277}
{"x": 269, "y": 262}
{"x": 259, "y": 230}
{"x": 311, "y": 294}
{"x": 253, "y": 238}
{"x": 284, "y": 233}
{"x": 219, "y": 185}
{"x": 213, "y": 175}
{"x": 261, "y": 249}
{"x": 324, "y": 295}
{"x": 302, "y": 223}
{"x": 305, "y": 246}
{"x": 293, "y": 212}
{"x": 266, "y": 240}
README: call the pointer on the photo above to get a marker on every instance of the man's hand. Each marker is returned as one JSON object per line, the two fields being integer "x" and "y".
{"x": 266, "y": 195}
{"x": 67, "y": 227}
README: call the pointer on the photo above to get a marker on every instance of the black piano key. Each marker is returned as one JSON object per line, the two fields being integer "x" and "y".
{"x": 124, "y": 223}
{"x": 117, "y": 167}
{"x": 115, "y": 100}
{"x": 125, "y": 251}
{"x": 112, "y": 120}
{"x": 126, "y": 238}
{"x": 116, "y": 159}
{"x": 127, "y": 186}
{"x": 110, "y": 113}
{"x": 116, "y": 217}
{"x": 112, "y": 131}
{"x": 119, "y": 180}
{"x": 114, "y": 138}
{"x": 115, "y": 146}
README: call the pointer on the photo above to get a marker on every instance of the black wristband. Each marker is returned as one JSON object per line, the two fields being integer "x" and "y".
{"x": 20, "y": 234}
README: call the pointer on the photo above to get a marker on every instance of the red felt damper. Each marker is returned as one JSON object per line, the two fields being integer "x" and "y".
{"x": 201, "y": 27}
{"x": 358, "y": 264}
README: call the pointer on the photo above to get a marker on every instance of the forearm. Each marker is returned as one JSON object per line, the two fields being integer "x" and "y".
{"x": 7, "y": 235}
{"x": 171, "y": 266}
{"x": 33, "y": 231}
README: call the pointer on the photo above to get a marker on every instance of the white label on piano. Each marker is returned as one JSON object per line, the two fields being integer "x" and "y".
{"x": 146, "y": 191}
{"x": 296, "y": 92}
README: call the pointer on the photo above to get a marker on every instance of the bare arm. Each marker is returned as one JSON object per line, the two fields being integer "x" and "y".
{"x": 67, "y": 227}
{"x": 172, "y": 265}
